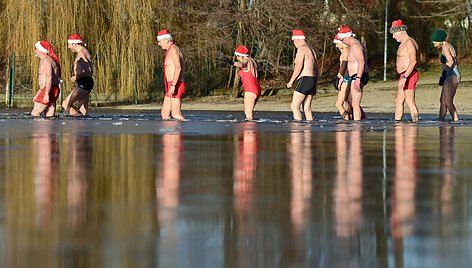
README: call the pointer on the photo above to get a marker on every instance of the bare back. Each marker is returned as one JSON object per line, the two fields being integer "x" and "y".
{"x": 48, "y": 71}
{"x": 407, "y": 54}
{"x": 174, "y": 61}
{"x": 307, "y": 57}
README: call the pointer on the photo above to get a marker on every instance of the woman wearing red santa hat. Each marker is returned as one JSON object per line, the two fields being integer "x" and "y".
{"x": 49, "y": 77}
{"x": 82, "y": 77}
{"x": 248, "y": 72}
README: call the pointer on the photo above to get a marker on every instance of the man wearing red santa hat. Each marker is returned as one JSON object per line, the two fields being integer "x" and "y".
{"x": 357, "y": 69}
{"x": 82, "y": 77}
{"x": 49, "y": 77}
{"x": 306, "y": 73}
{"x": 173, "y": 77}
{"x": 407, "y": 54}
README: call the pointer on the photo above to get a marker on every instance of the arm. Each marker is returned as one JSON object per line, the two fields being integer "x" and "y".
{"x": 343, "y": 64}
{"x": 411, "y": 53}
{"x": 448, "y": 54}
{"x": 298, "y": 67}
{"x": 47, "y": 79}
{"x": 252, "y": 67}
{"x": 175, "y": 59}
{"x": 359, "y": 57}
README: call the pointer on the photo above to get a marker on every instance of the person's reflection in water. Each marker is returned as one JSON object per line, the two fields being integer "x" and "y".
{"x": 446, "y": 147}
{"x": 245, "y": 167}
{"x": 348, "y": 188}
{"x": 300, "y": 156}
{"x": 78, "y": 165}
{"x": 46, "y": 149}
{"x": 403, "y": 197}
{"x": 167, "y": 182}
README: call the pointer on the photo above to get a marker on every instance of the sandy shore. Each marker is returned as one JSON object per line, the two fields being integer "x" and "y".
{"x": 379, "y": 97}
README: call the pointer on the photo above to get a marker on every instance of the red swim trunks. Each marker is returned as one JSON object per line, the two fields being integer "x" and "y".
{"x": 53, "y": 95}
{"x": 179, "y": 89}
{"x": 411, "y": 81}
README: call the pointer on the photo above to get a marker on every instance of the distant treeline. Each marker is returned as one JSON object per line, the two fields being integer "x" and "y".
{"x": 128, "y": 62}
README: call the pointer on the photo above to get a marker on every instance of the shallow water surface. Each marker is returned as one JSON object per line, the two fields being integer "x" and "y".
{"x": 130, "y": 190}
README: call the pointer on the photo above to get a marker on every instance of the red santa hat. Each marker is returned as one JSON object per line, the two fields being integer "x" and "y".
{"x": 163, "y": 34}
{"x": 345, "y": 32}
{"x": 241, "y": 51}
{"x": 298, "y": 34}
{"x": 336, "y": 40}
{"x": 75, "y": 39}
{"x": 398, "y": 26}
{"x": 46, "y": 47}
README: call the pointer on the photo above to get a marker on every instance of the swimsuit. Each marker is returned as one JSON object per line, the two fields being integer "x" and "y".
{"x": 411, "y": 80}
{"x": 454, "y": 70}
{"x": 250, "y": 83}
{"x": 85, "y": 83}
{"x": 179, "y": 87}
{"x": 364, "y": 79}
{"x": 307, "y": 85}
{"x": 53, "y": 95}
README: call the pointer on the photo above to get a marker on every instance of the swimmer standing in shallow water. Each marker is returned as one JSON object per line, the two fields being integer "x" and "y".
{"x": 248, "y": 72}
{"x": 49, "y": 77}
{"x": 357, "y": 70}
{"x": 173, "y": 77}
{"x": 82, "y": 78}
{"x": 407, "y": 54}
{"x": 306, "y": 73}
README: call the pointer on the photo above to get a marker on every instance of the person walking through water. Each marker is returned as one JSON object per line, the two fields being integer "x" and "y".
{"x": 407, "y": 55}
{"x": 248, "y": 72}
{"x": 82, "y": 78}
{"x": 357, "y": 70}
{"x": 450, "y": 77}
{"x": 343, "y": 89}
{"x": 306, "y": 73}
{"x": 173, "y": 77}
{"x": 49, "y": 77}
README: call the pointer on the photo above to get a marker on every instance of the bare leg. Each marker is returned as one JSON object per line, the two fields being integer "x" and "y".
{"x": 250, "y": 100}
{"x": 399, "y": 104}
{"x": 341, "y": 101}
{"x": 297, "y": 100}
{"x": 166, "y": 108}
{"x": 356, "y": 97}
{"x": 38, "y": 109}
{"x": 51, "y": 109}
{"x": 410, "y": 101}
{"x": 307, "y": 107}
{"x": 176, "y": 110}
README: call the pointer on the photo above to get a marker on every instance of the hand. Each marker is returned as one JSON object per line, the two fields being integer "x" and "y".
{"x": 401, "y": 83}
{"x": 357, "y": 84}
{"x": 46, "y": 98}
{"x": 289, "y": 84}
{"x": 172, "y": 90}
{"x": 72, "y": 78}
{"x": 442, "y": 79}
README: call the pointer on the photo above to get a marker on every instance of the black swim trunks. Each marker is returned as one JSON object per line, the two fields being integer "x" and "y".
{"x": 364, "y": 79}
{"x": 85, "y": 83}
{"x": 307, "y": 85}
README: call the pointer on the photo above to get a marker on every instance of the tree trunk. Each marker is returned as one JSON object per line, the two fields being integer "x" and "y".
{"x": 239, "y": 41}
{"x": 469, "y": 9}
